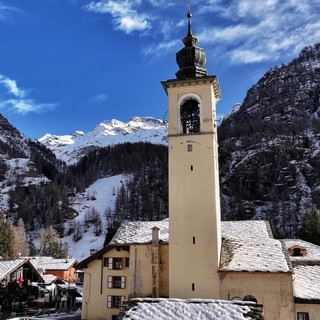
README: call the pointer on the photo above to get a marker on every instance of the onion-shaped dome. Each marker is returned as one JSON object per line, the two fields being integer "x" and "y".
{"x": 191, "y": 59}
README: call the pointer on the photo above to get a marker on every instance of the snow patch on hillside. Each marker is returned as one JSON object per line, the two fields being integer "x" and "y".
{"x": 22, "y": 170}
{"x": 100, "y": 196}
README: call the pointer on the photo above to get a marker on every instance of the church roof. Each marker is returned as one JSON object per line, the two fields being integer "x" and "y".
{"x": 176, "y": 309}
{"x": 306, "y": 270}
{"x": 249, "y": 246}
{"x": 140, "y": 232}
{"x": 306, "y": 284}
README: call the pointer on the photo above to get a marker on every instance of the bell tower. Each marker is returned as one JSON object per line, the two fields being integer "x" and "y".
{"x": 194, "y": 196}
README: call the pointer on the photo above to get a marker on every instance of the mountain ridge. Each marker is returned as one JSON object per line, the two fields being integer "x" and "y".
{"x": 70, "y": 148}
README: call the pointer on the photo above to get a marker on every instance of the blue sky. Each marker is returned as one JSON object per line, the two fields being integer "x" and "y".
{"x": 63, "y": 62}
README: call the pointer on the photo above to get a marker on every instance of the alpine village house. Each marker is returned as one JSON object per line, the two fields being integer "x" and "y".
{"x": 234, "y": 269}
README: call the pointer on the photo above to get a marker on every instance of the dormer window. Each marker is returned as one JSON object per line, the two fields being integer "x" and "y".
{"x": 190, "y": 117}
{"x": 297, "y": 251}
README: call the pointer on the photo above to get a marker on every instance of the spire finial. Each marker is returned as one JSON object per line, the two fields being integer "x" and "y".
{"x": 191, "y": 59}
{"x": 189, "y": 15}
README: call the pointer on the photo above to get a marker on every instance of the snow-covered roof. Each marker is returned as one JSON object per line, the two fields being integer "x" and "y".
{"x": 6, "y": 267}
{"x": 50, "y": 263}
{"x": 49, "y": 278}
{"x": 200, "y": 309}
{"x": 306, "y": 284}
{"x": 253, "y": 255}
{"x": 246, "y": 229}
{"x": 140, "y": 232}
{"x": 249, "y": 246}
{"x": 312, "y": 252}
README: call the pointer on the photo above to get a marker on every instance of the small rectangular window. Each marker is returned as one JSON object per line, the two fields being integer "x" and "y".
{"x": 191, "y": 168}
{"x": 116, "y": 282}
{"x": 193, "y": 287}
{"x": 127, "y": 262}
{"x": 113, "y": 263}
{"x": 194, "y": 240}
{"x": 302, "y": 316}
{"x": 115, "y": 301}
{"x": 189, "y": 147}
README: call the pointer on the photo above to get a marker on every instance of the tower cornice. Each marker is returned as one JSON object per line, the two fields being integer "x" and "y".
{"x": 174, "y": 83}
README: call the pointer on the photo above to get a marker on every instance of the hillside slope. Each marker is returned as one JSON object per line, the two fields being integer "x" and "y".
{"x": 269, "y": 147}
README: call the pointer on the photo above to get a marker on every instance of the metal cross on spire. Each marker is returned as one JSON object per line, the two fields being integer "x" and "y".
{"x": 189, "y": 15}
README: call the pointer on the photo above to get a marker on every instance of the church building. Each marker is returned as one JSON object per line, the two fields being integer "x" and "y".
{"x": 193, "y": 260}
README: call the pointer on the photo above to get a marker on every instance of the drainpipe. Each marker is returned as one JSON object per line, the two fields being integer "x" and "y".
{"x": 155, "y": 262}
{"x": 87, "y": 293}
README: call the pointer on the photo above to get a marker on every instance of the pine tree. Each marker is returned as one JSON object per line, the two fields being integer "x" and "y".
{"x": 6, "y": 237}
{"x": 310, "y": 227}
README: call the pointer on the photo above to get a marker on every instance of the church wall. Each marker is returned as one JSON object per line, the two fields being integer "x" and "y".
{"x": 273, "y": 290}
{"x": 141, "y": 277}
{"x": 164, "y": 271}
{"x": 312, "y": 309}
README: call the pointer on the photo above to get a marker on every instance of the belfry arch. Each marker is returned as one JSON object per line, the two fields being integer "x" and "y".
{"x": 190, "y": 114}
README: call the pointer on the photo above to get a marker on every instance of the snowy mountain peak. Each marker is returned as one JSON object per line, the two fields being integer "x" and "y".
{"x": 70, "y": 148}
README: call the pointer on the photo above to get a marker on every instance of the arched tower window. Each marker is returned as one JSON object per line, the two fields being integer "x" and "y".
{"x": 190, "y": 116}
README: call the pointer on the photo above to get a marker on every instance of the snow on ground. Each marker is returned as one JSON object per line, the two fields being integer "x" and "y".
{"x": 72, "y": 316}
{"x": 100, "y": 196}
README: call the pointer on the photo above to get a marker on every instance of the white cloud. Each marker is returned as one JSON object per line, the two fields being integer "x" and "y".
{"x": 244, "y": 30}
{"x": 19, "y": 103}
{"x": 161, "y": 48}
{"x": 261, "y": 30}
{"x": 6, "y": 12}
{"x": 161, "y": 3}
{"x": 101, "y": 97}
{"x": 124, "y": 14}
{"x": 11, "y": 86}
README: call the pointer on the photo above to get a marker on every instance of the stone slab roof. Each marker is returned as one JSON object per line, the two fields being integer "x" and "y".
{"x": 179, "y": 309}
{"x": 140, "y": 232}
{"x": 306, "y": 283}
{"x": 249, "y": 246}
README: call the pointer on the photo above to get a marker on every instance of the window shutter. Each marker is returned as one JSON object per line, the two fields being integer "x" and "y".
{"x": 122, "y": 299}
{"x": 110, "y": 265}
{"x": 123, "y": 282}
{"x": 109, "y": 281}
{"x": 109, "y": 304}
